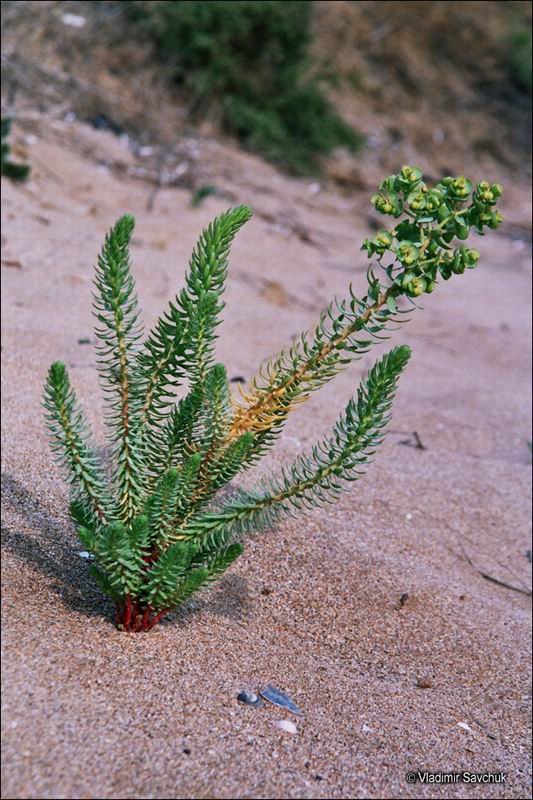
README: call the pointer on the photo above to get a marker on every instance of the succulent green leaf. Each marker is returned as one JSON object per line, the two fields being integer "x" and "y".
{"x": 92, "y": 503}
{"x": 118, "y": 330}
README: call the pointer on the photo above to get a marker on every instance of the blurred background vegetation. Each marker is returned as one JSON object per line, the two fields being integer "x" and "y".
{"x": 518, "y": 51}
{"x": 247, "y": 63}
{"x": 331, "y": 88}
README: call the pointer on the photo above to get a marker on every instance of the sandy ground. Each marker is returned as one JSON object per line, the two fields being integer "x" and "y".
{"x": 314, "y": 605}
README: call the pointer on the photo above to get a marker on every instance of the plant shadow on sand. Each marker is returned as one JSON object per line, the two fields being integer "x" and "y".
{"x": 56, "y": 555}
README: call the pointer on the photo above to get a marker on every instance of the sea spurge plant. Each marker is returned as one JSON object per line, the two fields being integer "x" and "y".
{"x": 155, "y": 529}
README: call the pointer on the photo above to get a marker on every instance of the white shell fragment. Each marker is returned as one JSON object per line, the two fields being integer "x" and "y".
{"x": 464, "y": 726}
{"x": 286, "y": 725}
{"x": 73, "y": 20}
{"x": 85, "y": 554}
{"x": 279, "y": 698}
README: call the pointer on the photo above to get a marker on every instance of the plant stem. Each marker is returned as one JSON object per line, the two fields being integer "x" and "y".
{"x": 127, "y": 613}
{"x": 156, "y": 619}
{"x": 146, "y": 614}
{"x": 246, "y": 418}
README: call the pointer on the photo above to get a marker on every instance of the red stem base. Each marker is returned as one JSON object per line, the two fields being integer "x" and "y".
{"x": 133, "y": 618}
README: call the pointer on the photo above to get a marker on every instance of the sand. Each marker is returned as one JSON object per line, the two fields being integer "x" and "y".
{"x": 400, "y": 654}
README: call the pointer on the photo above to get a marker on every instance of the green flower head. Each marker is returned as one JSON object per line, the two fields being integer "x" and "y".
{"x": 487, "y": 194}
{"x": 418, "y": 199}
{"x": 408, "y": 178}
{"x": 460, "y": 187}
{"x": 379, "y": 244}
{"x": 416, "y": 287}
{"x": 471, "y": 257}
{"x": 388, "y": 203}
{"x": 384, "y": 238}
{"x": 434, "y": 200}
{"x": 382, "y": 204}
{"x": 407, "y": 253}
{"x": 382, "y": 241}
{"x": 495, "y": 220}
{"x": 463, "y": 258}
{"x": 484, "y": 193}
{"x": 406, "y": 279}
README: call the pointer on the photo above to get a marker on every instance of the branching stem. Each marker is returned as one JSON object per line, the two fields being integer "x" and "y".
{"x": 244, "y": 418}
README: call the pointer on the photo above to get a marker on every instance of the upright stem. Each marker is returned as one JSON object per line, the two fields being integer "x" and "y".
{"x": 132, "y": 618}
{"x": 127, "y": 613}
{"x": 145, "y": 618}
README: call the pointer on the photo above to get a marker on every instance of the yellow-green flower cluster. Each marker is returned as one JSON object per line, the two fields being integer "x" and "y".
{"x": 421, "y": 246}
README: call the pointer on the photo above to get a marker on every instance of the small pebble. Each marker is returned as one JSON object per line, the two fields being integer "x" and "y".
{"x": 424, "y": 683}
{"x": 286, "y": 725}
{"x": 464, "y": 726}
{"x": 85, "y": 554}
{"x": 249, "y": 699}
